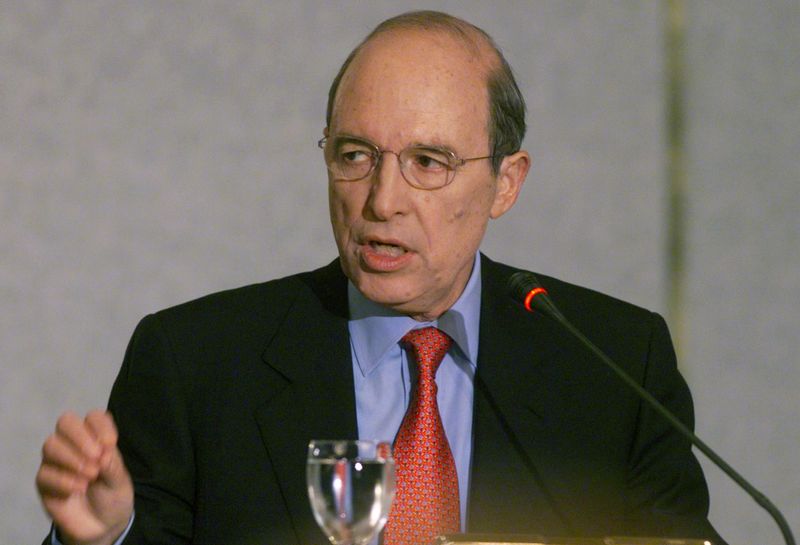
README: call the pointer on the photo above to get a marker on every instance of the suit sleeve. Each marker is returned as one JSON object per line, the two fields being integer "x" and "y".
{"x": 149, "y": 402}
{"x": 665, "y": 480}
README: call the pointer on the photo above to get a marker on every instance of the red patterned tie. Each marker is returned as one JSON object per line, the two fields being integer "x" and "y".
{"x": 426, "y": 502}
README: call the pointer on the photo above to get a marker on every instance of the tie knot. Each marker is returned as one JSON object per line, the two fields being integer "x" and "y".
{"x": 429, "y": 346}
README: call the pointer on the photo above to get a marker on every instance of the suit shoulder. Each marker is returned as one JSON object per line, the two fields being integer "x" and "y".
{"x": 261, "y": 297}
{"x": 585, "y": 307}
{"x": 585, "y": 298}
{"x": 263, "y": 303}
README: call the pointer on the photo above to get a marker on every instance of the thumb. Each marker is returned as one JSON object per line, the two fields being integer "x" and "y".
{"x": 111, "y": 496}
{"x": 112, "y": 467}
{"x": 113, "y": 472}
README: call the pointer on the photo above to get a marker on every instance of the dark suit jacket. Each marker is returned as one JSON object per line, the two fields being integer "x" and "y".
{"x": 218, "y": 398}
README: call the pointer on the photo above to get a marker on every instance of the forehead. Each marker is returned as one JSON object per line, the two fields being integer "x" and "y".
{"x": 411, "y": 85}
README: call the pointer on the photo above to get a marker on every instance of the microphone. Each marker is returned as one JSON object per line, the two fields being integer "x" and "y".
{"x": 525, "y": 287}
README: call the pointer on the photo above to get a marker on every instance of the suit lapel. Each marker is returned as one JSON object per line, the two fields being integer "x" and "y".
{"x": 515, "y": 413}
{"x": 311, "y": 352}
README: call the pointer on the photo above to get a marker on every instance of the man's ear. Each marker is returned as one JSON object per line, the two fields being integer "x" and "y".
{"x": 513, "y": 171}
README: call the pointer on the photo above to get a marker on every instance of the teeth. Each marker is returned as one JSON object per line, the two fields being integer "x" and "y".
{"x": 387, "y": 249}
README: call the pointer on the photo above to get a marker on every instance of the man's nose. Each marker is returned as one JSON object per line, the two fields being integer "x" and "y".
{"x": 389, "y": 191}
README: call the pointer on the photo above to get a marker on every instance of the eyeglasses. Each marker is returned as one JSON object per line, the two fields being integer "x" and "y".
{"x": 423, "y": 167}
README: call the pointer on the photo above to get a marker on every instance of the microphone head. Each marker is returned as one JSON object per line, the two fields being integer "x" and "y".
{"x": 525, "y": 288}
{"x": 521, "y": 283}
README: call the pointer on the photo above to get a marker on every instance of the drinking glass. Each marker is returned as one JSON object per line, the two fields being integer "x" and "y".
{"x": 350, "y": 487}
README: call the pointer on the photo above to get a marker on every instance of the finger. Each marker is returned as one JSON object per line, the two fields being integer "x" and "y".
{"x": 52, "y": 481}
{"x": 111, "y": 465}
{"x": 113, "y": 470}
{"x": 73, "y": 430}
{"x": 102, "y": 425}
{"x": 58, "y": 452}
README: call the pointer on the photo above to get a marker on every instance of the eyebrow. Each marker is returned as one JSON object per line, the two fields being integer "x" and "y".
{"x": 337, "y": 138}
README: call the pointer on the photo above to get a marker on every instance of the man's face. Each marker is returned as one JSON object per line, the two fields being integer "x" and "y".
{"x": 410, "y": 249}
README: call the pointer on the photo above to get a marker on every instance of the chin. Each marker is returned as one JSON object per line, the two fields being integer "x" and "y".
{"x": 381, "y": 289}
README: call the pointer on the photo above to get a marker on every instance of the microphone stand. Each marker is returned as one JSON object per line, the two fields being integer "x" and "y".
{"x": 535, "y": 296}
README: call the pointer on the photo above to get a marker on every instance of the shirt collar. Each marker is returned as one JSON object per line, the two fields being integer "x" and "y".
{"x": 375, "y": 330}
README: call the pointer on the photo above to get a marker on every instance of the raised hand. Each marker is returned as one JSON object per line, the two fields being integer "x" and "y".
{"x": 83, "y": 482}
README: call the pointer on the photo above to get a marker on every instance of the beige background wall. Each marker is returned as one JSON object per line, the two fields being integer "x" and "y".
{"x": 153, "y": 151}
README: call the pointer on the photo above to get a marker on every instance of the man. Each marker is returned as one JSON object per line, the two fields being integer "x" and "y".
{"x": 218, "y": 398}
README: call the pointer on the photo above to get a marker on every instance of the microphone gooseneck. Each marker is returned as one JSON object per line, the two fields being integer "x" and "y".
{"x": 524, "y": 287}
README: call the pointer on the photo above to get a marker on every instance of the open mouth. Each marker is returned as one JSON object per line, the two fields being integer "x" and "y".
{"x": 384, "y": 255}
{"x": 383, "y": 248}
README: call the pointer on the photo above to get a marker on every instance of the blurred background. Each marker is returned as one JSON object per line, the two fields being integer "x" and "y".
{"x": 154, "y": 151}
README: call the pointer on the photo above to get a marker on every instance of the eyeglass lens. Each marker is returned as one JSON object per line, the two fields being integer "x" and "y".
{"x": 421, "y": 166}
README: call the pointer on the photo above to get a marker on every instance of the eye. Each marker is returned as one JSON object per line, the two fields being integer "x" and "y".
{"x": 351, "y": 153}
{"x": 428, "y": 159}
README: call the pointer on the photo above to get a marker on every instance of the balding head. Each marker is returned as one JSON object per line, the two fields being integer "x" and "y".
{"x": 506, "y": 106}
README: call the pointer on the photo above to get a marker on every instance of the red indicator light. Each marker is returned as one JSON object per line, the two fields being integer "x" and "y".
{"x": 531, "y": 294}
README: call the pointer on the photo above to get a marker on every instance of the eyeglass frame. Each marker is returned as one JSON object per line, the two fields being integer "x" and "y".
{"x": 457, "y": 162}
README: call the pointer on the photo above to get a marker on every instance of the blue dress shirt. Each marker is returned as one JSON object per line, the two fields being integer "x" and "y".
{"x": 383, "y": 380}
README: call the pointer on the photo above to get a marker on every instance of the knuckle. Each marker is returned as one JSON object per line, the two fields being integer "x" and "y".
{"x": 95, "y": 414}
{"x": 46, "y": 446}
{"x": 52, "y": 450}
{"x": 65, "y": 421}
{"x": 49, "y": 445}
{"x": 44, "y": 478}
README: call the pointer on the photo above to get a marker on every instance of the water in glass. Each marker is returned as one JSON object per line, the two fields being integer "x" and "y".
{"x": 350, "y": 487}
